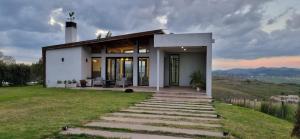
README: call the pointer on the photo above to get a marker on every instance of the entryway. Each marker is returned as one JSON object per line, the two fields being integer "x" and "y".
{"x": 174, "y": 70}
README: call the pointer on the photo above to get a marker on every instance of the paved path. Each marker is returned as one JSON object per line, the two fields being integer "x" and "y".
{"x": 167, "y": 115}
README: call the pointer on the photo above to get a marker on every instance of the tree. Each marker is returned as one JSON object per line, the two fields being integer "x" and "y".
{"x": 36, "y": 71}
{"x": 296, "y": 130}
{"x": 7, "y": 59}
{"x": 2, "y": 72}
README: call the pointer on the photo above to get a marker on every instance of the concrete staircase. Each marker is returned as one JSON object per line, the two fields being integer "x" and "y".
{"x": 167, "y": 115}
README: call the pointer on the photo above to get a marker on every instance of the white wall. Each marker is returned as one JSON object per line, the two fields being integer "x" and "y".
{"x": 69, "y": 69}
{"x": 86, "y": 66}
{"x": 153, "y": 67}
{"x": 189, "y": 63}
{"x": 188, "y": 39}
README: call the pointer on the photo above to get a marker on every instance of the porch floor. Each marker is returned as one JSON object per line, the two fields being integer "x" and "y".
{"x": 174, "y": 90}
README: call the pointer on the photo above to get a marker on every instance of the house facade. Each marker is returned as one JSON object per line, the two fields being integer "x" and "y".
{"x": 151, "y": 58}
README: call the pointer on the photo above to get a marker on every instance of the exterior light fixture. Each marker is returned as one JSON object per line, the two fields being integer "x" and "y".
{"x": 184, "y": 49}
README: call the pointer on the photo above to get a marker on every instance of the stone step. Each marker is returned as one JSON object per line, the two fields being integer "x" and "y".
{"x": 170, "y": 109}
{"x": 177, "y": 103}
{"x": 116, "y": 134}
{"x": 158, "y": 121}
{"x": 171, "y": 113}
{"x": 176, "y": 107}
{"x": 168, "y": 117}
{"x": 181, "y": 99}
{"x": 156, "y": 129}
{"x": 182, "y": 92}
{"x": 181, "y": 96}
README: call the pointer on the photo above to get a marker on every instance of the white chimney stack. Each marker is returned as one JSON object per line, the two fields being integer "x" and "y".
{"x": 71, "y": 32}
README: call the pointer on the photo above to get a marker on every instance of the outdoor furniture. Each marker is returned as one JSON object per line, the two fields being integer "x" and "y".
{"x": 123, "y": 82}
{"x": 108, "y": 83}
{"x": 98, "y": 81}
{"x": 89, "y": 82}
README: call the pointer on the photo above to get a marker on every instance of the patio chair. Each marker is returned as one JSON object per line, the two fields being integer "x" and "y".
{"x": 98, "y": 81}
{"x": 122, "y": 83}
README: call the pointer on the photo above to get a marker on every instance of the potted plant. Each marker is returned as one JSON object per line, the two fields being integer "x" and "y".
{"x": 197, "y": 80}
{"x": 60, "y": 84}
{"x": 72, "y": 83}
{"x": 83, "y": 83}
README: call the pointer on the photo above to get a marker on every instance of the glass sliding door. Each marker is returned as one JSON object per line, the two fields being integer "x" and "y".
{"x": 119, "y": 68}
{"x": 111, "y": 69}
{"x": 174, "y": 70}
{"x": 128, "y": 70}
{"x": 143, "y": 74}
{"x": 96, "y": 67}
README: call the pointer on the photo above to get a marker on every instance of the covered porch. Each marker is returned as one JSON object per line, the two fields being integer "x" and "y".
{"x": 180, "y": 55}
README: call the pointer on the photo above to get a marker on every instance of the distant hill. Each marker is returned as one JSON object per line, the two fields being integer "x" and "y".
{"x": 263, "y": 71}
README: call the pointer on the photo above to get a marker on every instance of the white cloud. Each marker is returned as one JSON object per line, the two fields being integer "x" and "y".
{"x": 55, "y": 17}
{"x": 101, "y": 32}
{"x": 163, "y": 20}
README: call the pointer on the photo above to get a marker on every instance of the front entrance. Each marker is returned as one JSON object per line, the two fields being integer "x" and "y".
{"x": 119, "y": 68}
{"x": 174, "y": 70}
{"x": 143, "y": 69}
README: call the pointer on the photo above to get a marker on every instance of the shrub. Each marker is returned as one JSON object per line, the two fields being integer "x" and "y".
{"x": 59, "y": 82}
{"x": 74, "y": 81}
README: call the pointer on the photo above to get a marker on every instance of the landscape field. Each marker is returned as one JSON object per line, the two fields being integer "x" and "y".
{"x": 226, "y": 87}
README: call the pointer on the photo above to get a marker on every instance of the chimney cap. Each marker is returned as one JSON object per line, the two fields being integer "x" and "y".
{"x": 71, "y": 24}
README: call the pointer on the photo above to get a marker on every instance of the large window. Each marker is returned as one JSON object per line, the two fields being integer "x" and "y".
{"x": 117, "y": 68}
{"x": 96, "y": 67}
{"x": 144, "y": 46}
{"x": 120, "y": 49}
{"x": 96, "y": 50}
{"x": 143, "y": 71}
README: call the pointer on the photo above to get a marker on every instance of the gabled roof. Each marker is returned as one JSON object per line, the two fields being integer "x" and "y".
{"x": 113, "y": 38}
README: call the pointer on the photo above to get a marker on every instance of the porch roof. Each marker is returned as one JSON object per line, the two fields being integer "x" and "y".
{"x": 192, "y": 40}
{"x": 97, "y": 41}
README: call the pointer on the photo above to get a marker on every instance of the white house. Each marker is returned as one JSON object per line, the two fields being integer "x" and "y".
{"x": 151, "y": 58}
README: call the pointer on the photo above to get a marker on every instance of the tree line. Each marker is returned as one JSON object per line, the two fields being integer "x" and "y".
{"x": 12, "y": 73}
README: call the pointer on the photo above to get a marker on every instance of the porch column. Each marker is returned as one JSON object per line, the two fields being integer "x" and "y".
{"x": 135, "y": 66}
{"x": 103, "y": 63}
{"x": 157, "y": 69}
{"x": 208, "y": 70}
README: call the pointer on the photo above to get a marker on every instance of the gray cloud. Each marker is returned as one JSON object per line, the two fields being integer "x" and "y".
{"x": 236, "y": 24}
{"x": 294, "y": 22}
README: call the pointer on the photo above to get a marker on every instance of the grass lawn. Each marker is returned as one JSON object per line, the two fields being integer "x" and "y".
{"x": 249, "y": 124}
{"x": 36, "y": 112}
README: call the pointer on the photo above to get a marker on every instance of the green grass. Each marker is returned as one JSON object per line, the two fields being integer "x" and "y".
{"x": 236, "y": 88}
{"x": 249, "y": 124}
{"x": 36, "y": 112}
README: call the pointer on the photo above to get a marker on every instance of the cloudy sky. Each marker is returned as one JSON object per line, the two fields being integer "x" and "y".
{"x": 248, "y": 33}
